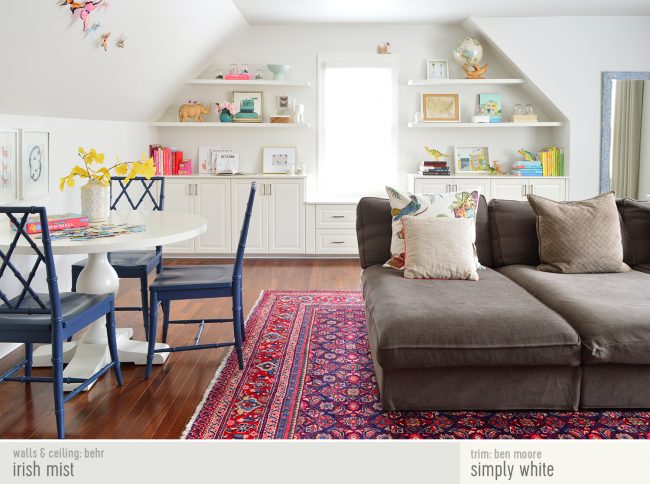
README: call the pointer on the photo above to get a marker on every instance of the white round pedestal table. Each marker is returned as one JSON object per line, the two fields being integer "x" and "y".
{"x": 89, "y": 354}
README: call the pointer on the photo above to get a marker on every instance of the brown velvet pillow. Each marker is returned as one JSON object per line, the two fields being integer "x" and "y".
{"x": 579, "y": 237}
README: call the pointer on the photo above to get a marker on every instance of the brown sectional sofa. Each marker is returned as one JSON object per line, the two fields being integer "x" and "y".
{"x": 518, "y": 338}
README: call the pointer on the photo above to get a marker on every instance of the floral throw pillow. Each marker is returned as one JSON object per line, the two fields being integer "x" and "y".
{"x": 448, "y": 205}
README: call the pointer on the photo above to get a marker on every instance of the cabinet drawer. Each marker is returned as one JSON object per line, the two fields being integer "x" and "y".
{"x": 336, "y": 241}
{"x": 336, "y": 216}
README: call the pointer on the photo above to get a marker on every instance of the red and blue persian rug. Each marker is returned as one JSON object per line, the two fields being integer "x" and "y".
{"x": 308, "y": 375}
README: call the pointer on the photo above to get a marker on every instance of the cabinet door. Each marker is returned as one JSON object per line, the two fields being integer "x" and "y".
{"x": 433, "y": 185}
{"x": 286, "y": 216}
{"x": 212, "y": 201}
{"x": 178, "y": 198}
{"x": 509, "y": 189}
{"x": 555, "y": 189}
{"x": 257, "y": 241}
{"x": 461, "y": 184}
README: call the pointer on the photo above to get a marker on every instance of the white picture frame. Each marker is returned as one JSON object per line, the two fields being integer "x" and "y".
{"x": 34, "y": 165}
{"x": 437, "y": 69}
{"x": 8, "y": 165}
{"x": 471, "y": 159}
{"x": 279, "y": 160}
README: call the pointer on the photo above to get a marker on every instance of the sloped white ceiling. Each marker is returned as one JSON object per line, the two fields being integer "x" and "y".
{"x": 49, "y": 67}
{"x": 260, "y": 12}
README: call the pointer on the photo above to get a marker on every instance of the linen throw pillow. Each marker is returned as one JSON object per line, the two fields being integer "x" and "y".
{"x": 579, "y": 237}
{"x": 441, "y": 205}
{"x": 439, "y": 248}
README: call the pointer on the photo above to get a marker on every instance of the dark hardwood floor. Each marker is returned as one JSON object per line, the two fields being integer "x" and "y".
{"x": 160, "y": 407}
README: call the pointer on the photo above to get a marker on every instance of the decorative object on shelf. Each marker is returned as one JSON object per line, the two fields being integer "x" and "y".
{"x": 237, "y": 73}
{"x": 34, "y": 164}
{"x": 250, "y": 107}
{"x": 219, "y": 74}
{"x": 384, "y": 48}
{"x": 524, "y": 115}
{"x": 278, "y": 160}
{"x": 226, "y": 111}
{"x": 121, "y": 42}
{"x": 234, "y": 69}
{"x": 278, "y": 70}
{"x": 300, "y": 114}
{"x": 481, "y": 117}
{"x": 471, "y": 160}
{"x": 8, "y": 165}
{"x": 440, "y": 107}
{"x": 205, "y": 161}
{"x": 437, "y": 69}
{"x": 259, "y": 75}
{"x": 526, "y": 155}
{"x": 468, "y": 53}
{"x": 280, "y": 118}
{"x": 243, "y": 69}
{"x": 417, "y": 117}
{"x": 224, "y": 161}
{"x": 494, "y": 168}
{"x": 435, "y": 153}
{"x": 283, "y": 104}
{"x": 490, "y": 104}
{"x": 192, "y": 110}
{"x": 185, "y": 167}
{"x": 95, "y": 193}
{"x": 301, "y": 169}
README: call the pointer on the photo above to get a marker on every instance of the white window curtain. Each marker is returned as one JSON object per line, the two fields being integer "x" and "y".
{"x": 357, "y": 124}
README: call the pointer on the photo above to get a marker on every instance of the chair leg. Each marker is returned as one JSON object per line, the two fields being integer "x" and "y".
{"x": 57, "y": 377}
{"x": 112, "y": 345}
{"x": 241, "y": 318}
{"x": 236, "y": 315}
{"x": 145, "y": 302}
{"x": 153, "y": 316}
{"x": 166, "y": 308}
{"x": 29, "y": 352}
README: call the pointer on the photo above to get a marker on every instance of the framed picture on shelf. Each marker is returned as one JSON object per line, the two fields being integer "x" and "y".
{"x": 471, "y": 160}
{"x": 250, "y": 107}
{"x": 8, "y": 165}
{"x": 440, "y": 108}
{"x": 34, "y": 166}
{"x": 279, "y": 160}
{"x": 206, "y": 166}
{"x": 437, "y": 69}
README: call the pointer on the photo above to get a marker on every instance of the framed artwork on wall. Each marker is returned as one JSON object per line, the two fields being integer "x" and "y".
{"x": 279, "y": 160}
{"x": 250, "y": 107}
{"x": 471, "y": 160}
{"x": 440, "y": 108}
{"x": 34, "y": 164}
{"x": 437, "y": 69}
{"x": 8, "y": 165}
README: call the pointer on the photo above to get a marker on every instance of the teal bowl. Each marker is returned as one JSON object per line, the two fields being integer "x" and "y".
{"x": 278, "y": 70}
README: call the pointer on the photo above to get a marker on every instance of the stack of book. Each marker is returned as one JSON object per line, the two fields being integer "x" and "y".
{"x": 238, "y": 77}
{"x": 166, "y": 160}
{"x": 434, "y": 168}
{"x": 527, "y": 168}
{"x": 552, "y": 160}
{"x": 54, "y": 222}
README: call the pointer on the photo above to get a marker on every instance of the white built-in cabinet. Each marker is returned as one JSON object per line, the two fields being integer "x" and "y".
{"x": 503, "y": 187}
{"x": 277, "y": 225}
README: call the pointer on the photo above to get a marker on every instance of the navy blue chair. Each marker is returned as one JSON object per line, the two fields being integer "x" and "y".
{"x": 133, "y": 264}
{"x": 201, "y": 282}
{"x": 32, "y": 318}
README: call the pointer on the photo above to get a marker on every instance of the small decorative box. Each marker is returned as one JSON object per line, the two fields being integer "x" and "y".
{"x": 185, "y": 167}
{"x": 280, "y": 118}
{"x": 481, "y": 118}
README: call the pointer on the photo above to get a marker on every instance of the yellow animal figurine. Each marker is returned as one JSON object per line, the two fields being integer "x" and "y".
{"x": 435, "y": 153}
{"x": 477, "y": 73}
{"x": 192, "y": 111}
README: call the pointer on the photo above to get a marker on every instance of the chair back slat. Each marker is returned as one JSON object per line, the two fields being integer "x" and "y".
{"x": 239, "y": 259}
{"x": 120, "y": 189}
{"x": 43, "y": 255}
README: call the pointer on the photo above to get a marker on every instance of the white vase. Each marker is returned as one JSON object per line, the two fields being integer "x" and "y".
{"x": 94, "y": 201}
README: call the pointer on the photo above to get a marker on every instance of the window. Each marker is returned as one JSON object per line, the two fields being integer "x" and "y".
{"x": 357, "y": 124}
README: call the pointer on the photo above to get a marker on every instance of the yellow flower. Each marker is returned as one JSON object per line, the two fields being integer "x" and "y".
{"x": 81, "y": 151}
{"x": 121, "y": 169}
{"x": 70, "y": 182}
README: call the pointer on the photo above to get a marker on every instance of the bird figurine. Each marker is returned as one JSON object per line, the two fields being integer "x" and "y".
{"x": 383, "y": 48}
{"x": 527, "y": 155}
{"x": 104, "y": 42}
{"x": 411, "y": 208}
{"x": 435, "y": 153}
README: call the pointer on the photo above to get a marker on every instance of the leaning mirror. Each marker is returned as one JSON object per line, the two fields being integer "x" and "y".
{"x": 625, "y": 134}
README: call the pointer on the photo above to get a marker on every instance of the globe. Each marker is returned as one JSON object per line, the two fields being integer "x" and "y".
{"x": 468, "y": 51}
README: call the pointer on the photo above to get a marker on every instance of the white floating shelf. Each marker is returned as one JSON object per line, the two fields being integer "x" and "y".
{"x": 450, "y": 82}
{"x": 252, "y": 82}
{"x": 178, "y": 124}
{"x": 541, "y": 124}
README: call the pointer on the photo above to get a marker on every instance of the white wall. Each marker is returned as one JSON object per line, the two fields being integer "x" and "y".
{"x": 50, "y": 67}
{"x": 126, "y": 139}
{"x": 300, "y": 45}
{"x": 564, "y": 57}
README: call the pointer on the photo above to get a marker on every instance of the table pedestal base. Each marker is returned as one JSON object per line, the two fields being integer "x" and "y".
{"x": 87, "y": 356}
